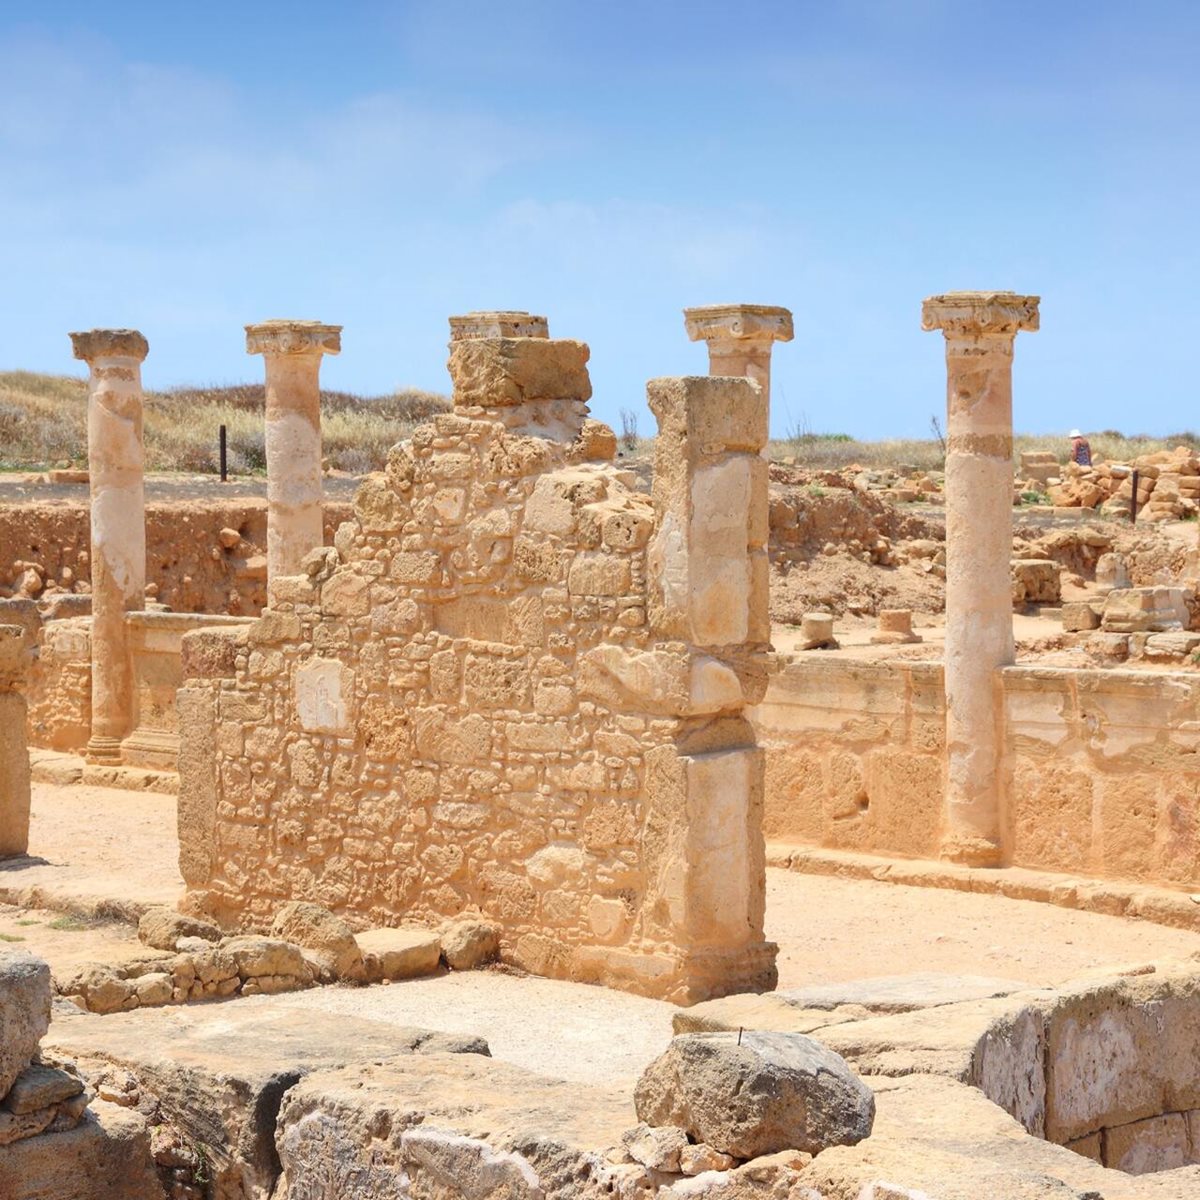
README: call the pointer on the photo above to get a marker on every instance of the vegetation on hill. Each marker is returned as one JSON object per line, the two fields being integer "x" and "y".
{"x": 43, "y": 422}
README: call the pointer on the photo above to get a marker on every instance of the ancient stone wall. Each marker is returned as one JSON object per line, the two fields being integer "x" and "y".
{"x": 515, "y": 686}
{"x": 1098, "y": 772}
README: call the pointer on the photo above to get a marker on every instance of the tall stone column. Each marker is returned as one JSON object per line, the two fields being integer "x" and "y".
{"x": 115, "y": 465}
{"x": 980, "y": 328}
{"x": 14, "y": 752}
{"x": 708, "y": 601}
{"x": 295, "y": 510}
{"x": 740, "y": 338}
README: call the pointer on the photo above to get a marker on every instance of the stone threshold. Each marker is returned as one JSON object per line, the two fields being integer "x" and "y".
{"x": 1110, "y": 897}
{"x": 67, "y": 770}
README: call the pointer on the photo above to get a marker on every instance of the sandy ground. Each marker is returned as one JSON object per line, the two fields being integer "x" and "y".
{"x": 123, "y": 844}
{"x": 99, "y": 842}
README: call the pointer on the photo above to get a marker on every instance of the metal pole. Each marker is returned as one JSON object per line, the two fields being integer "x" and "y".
{"x": 224, "y": 460}
{"x": 1133, "y": 479}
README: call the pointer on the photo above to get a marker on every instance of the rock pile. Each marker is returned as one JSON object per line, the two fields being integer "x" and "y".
{"x": 1168, "y": 484}
{"x": 36, "y": 1097}
{"x": 188, "y": 958}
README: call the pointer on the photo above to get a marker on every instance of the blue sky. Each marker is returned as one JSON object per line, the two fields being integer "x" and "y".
{"x": 186, "y": 169}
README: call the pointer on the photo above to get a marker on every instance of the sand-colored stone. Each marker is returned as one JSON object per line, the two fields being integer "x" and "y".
{"x": 292, "y": 351}
{"x": 979, "y": 329}
{"x": 14, "y": 751}
{"x": 118, "y": 529}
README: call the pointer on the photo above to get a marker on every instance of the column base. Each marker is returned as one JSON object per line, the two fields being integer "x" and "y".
{"x": 972, "y": 851}
{"x": 102, "y": 749}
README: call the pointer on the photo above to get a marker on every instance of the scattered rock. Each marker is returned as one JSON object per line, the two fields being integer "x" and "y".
{"x": 470, "y": 944}
{"x": 254, "y": 955}
{"x": 695, "y": 1160}
{"x": 771, "y": 1092}
{"x": 658, "y": 1148}
{"x": 40, "y": 1087}
{"x": 399, "y": 953}
{"x": 329, "y": 938}
{"x": 163, "y": 928}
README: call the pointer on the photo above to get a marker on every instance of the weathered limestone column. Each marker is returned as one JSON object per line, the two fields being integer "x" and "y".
{"x": 115, "y": 464}
{"x": 295, "y": 511}
{"x": 740, "y": 337}
{"x": 14, "y": 752}
{"x": 708, "y": 597}
{"x": 510, "y": 324}
{"x": 980, "y": 328}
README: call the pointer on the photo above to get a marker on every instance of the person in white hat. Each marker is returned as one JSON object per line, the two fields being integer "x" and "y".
{"x": 1081, "y": 450}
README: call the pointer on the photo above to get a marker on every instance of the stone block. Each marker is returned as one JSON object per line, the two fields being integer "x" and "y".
{"x": 324, "y": 696}
{"x": 1145, "y": 610}
{"x": 1155, "y": 1144}
{"x": 1078, "y": 616}
{"x": 400, "y": 953}
{"x": 504, "y": 372}
{"x": 24, "y": 1012}
{"x": 712, "y": 414}
{"x": 212, "y": 653}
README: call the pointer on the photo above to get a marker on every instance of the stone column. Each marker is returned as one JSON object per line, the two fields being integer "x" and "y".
{"x": 511, "y": 324}
{"x": 980, "y": 328}
{"x": 295, "y": 509}
{"x": 118, "y": 524}
{"x": 707, "y": 569}
{"x": 740, "y": 337}
{"x": 14, "y": 753}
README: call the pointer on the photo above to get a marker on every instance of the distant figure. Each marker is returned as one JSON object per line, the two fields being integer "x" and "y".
{"x": 1081, "y": 449}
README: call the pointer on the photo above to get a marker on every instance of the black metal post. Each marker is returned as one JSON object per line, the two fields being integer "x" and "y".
{"x": 1133, "y": 480}
{"x": 224, "y": 460}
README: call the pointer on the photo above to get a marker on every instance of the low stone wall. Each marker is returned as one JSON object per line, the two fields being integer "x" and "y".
{"x": 201, "y": 556}
{"x": 1099, "y": 766}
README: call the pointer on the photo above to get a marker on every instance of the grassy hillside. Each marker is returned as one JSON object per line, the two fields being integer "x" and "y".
{"x": 43, "y": 422}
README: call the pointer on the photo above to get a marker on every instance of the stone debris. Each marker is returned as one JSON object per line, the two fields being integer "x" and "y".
{"x": 36, "y": 1096}
{"x": 162, "y": 928}
{"x": 756, "y": 1093}
{"x": 328, "y": 939}
{"x": 467, "y": 945}
{"x": 1036, "y": 581}
{"x": 399, "y": 953}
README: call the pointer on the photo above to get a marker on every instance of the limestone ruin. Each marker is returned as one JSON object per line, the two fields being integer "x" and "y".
{"x": 523, "y": 708}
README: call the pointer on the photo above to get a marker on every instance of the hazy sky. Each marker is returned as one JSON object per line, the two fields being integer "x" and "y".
{"x": 186, "y": 169}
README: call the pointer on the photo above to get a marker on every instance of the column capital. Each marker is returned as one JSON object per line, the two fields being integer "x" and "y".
{"x": 510, "y": 323}
{"x": 109, "y": 343}
{"x": 723, "y": 322}
{"x": 974, "y": 314}
{"x": 293, "y": 337}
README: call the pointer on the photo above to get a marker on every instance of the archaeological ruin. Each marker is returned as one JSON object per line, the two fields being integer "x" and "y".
{"x": 545, "y": 817}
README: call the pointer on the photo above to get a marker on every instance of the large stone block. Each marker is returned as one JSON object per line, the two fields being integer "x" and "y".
{"x": 24, "y": 1012}
{"x": 502, "y": 372}
{"x": 713, "y": 413}
{"x": 752, "y": 1093}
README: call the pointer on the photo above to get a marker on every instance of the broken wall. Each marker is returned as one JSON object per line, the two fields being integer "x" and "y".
{"x": 515, "y": 686}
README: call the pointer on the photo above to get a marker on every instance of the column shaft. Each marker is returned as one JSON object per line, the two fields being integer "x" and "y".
{"x": 979, "y": 328}
{"x": 118, "y": 525}
{"x": 295, "y": 501}
{"x": 14, "y": 751}
{"x": 295, "y": 518}
{"x": 979, "y": 636}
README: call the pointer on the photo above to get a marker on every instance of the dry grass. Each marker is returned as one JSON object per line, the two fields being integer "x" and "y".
{"x": 43, "y": 422}
{"x": 834, "y": 451}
